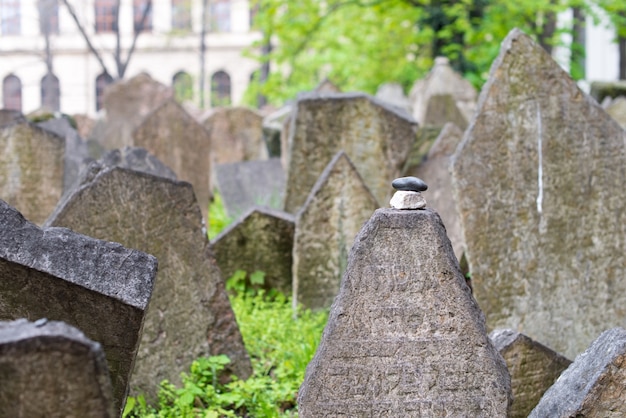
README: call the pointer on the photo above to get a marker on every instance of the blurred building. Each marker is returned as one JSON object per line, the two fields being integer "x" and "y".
{"x": 39, "y": 34}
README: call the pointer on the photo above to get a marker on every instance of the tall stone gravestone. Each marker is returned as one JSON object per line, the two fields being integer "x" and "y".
{"x": 326, "y": 225}
{"x": 405, "y": 338}
{"x": 592, "y": 386}
{"x": 393, "y": 94}
{"x": 50, "y": 369}
{"x": 99, "y": 287}
{"x": 190, "y": 315}
{"x": 375, "y": 136}
{"x": 539, "y": 185}
{"x": 176, "y": 139}
{"x": 31, "y": 169}
{"x": 260, "y": 240}
{"x": 533, "y": 368}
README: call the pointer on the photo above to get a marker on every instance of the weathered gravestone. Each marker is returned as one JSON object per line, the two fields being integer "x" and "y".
{"x": 539, "y": 185}
{"x": 326, "y": 225}
{"x": 443, "y": 81}
{"x": 236, "y": 134}
{"x": 127, "y": 103}
{"x": 533, "y": 368}
{"x": 31, "y": 169}
{"x": 182, "y": 144}
{"x": 99, "y": 287}
{"x": 376, "y": 137}
{"x": 393, "y": 94}
{"x": 50, "y": 369}
{"x": 405, "y": 338}
{"x": 326, "y": 86}
{"x": 441, "y": 109}
{"x": 617, "y": 110}
{"x": 260, "y": 240}
{"x": 10, "y": 117}
{"x": 600, "y": 90}
{"x": 435, "y": 170}
{"x": 138, "y": 159}
{"x": 592, "y": 386}
{"x": 190, "y": 315}
{"x": 250, "y": 183}
{"x": 273, "y": 125}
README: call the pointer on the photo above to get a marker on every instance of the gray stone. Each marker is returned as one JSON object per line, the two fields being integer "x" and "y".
{"x": 247, "y": 184}
{"x": 410, "y": 183}
{"x": 435, "y": 169}
{"x": 441, "y": 109}
{"x": 375, "y": 136}
{"x": 326, "y": 86}
{"x": 538, "y": 179}
{"x": 190, "y": 314}
{"x": 260, "y": 240}
{"x": 393, "y": 94}
{"x": 403, "y": 199}
{"x": 10, "y": 117}
{"x": 617, "y": 110}
{"x": 325, "y": 229}
{"x": 137, "y": 159}
{"x": 592, "y": 386}
{"x": 182, "y": 144}
{"x": 405, "y": 337}
{"x": 99, "y": 287}
{"x": 600, "y": 90}
{"x": 31, "y": 169}
{"x": 273, "y": 127}
{"x": 533, "y": 368}
{"x": 50, "y": 369}
{"x": 426, "y": 137}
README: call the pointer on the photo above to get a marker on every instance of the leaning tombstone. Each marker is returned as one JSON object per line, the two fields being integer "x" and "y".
{"x": 182, "y": 144}
{"x": 246, "y": 184}
{"x": 538, "y": 179}
{"x": 533, "y": 368}
{"x": 50, "y": 369}
{"x": 592, "y": 386}
{"x": 190, "y": 315}
{"x": 99, "y": 287}
{"x": 375, "y": 136}
{"x": 405, "y": 337}
{"x": 31, "y": 169}
{"x": 260, "y": 240}
{"x": 341, "y": 202}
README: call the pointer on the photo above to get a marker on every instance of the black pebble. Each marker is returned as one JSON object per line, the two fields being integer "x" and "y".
{"x": 411, "y": 184}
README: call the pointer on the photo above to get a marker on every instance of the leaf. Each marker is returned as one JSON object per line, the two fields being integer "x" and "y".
{"x": 258, "y": 277}
{"x": 130, "y": 404}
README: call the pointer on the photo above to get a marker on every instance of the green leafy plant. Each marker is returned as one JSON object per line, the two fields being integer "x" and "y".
{"x": 218, "y": 218}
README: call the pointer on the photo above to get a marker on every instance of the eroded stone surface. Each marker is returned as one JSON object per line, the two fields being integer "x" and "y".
{"x": 325, "y": 229}
{"x": 407, "y": 200}
{"x": 539, "y": 185}
{"x": 99, "y": 287}
{"x": 533, "y": 368}
{"x": 617, "y": 110}
{"x": 405, "y": 337}
{"x": 592, "y": 386}
{"x": 190, "y": 315}
{"x": 50, "y": 369}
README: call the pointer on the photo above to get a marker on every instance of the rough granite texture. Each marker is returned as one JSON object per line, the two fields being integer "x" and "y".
{"x": 326, "y": 225}
{"x": 261, "y": 239}
{"x": 50, "y": 369}
{"x": 539, "y": 181}
{"x": 533, "y": 368}
{"x": 182, "y": 144}
{"x": 189, "y": 315}
{"x": 99, "y": 287}
{"x": 592, "y": 386}
{"x": 376, "y": 137}
{"x": 405, "y": 337}
{"x": 31, "y": 169}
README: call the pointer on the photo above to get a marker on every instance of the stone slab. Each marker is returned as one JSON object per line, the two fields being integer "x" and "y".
{"x": 100, "y": 287}
{"x": 539, "y": 185}
{"x": 50, "y": 369}
{"x": 617, "y": 110}
{"x": 138, "y": 159}
{"x": 405, "y": 337}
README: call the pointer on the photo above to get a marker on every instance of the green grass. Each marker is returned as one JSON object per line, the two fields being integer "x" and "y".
{"x": 218, "y": 218}
{"x": 280, "y": 345}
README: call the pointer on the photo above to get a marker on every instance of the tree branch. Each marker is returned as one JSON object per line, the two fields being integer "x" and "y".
{"x": 138, "y": 31}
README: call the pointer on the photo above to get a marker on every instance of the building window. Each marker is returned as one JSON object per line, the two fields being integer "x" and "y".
{"x": 10, "y": 17}
{"x": 183, "y": 86}
{"x": 50, "y": 93}
{"x": 48, "y": 16}
{"x": 220, "y": 89}
{"x": 106, "y": 15}
{"x": 102, "y": 81}
{"x": 12, "y": 93}
{"x": 181, "y": 14}
{"x": 141, "y": 7}
{"x": 219, "y": 16}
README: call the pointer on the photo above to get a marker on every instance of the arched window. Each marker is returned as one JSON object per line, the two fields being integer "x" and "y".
{"x": 181, "y": 15}
{"x": 140, "y": 7}
{"x": 219, "y": 15}
{"x": 105, "y": 11}
{"x": 48, "y": 16}
{"x": 183, "y": 86}
{"x": 10, "y": 17}
{"x": 50, "y": 92}
{"x": 220, "y": 89}
{"x": 12, "y": 93}
{"x": 102, "y": 81}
